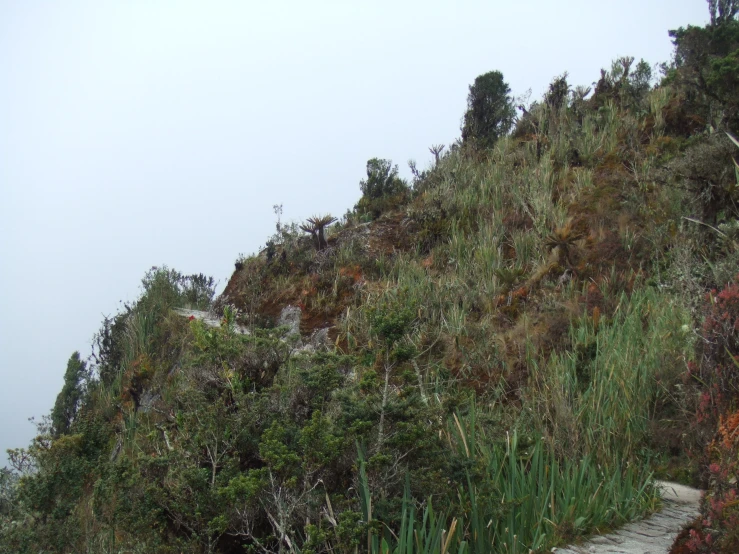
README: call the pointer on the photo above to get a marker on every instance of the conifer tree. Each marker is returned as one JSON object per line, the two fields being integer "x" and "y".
{"x": 490, "y": 112}
{"x": 67, "y": 401}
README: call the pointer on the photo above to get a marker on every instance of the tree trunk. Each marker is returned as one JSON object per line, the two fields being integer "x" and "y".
{"x": 381, "y": 425}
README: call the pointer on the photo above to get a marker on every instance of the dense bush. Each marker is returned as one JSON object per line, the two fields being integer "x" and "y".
{"x": 625, "y": 84}
{"x": 717, "y": 528}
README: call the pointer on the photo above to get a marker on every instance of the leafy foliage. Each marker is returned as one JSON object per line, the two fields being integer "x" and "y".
{"x": 716, "y": 373}
{"x": 624, "y": 83}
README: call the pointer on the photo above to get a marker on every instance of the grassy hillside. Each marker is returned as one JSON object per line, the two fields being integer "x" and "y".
{"x": 496, "y": 357}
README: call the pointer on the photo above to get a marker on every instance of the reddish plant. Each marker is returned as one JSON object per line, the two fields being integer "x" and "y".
{"x": 717, "y": 528}
{"x": 717, "y": 370}
{"x": 716, "y": 376}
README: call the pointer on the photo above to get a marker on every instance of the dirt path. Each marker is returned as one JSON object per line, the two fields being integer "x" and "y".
{"x": 653, "y": 535}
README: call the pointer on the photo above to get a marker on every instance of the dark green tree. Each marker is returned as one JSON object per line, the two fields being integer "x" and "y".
{"x": 107, "y": 347}
{"x": 558, "y": 93}
{"x": 490, "y": 112}
{"x": 68, "y": 400}
{"x": 382, "y": 189}
{"x": 706, "y": 65}
{"x": 382, "y": 179}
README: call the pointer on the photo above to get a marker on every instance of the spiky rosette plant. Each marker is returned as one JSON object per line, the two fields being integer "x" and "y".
{"x": 563, "y": 240}
{"x": 315, "y": 226}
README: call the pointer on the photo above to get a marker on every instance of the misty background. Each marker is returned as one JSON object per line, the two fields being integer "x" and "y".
{"x": 144, "y": 133}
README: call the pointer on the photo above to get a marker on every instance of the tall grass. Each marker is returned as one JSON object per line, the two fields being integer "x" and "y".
{"x": 658, "y": 100}
{"x": 583, "y": 180}
{"x": 598, "y": 397}
{"x": 140, "y": 328}
{"x": 589, "y": 400}
{"x": 521, "y": 499}
{"x": 488, "y": 257}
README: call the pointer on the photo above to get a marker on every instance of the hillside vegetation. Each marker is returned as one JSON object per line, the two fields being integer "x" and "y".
{"x": 498, "y": 356}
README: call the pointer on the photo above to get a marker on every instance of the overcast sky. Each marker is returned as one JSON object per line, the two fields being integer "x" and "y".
{"x": 141, "y": 133}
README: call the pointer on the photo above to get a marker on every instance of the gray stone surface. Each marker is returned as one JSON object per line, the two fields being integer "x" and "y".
{"x": 290, "y": 317}
{"x": 319, "y": 339}
{"x": 653, "y": 535}
{"x": 210, "y": 319}
{"x": 147, "y": 400}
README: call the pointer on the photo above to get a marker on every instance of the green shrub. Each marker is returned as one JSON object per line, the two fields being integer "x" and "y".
{"x": 382, "y": 189}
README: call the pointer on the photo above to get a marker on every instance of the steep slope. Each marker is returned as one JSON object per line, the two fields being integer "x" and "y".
{"x": 514, "y": 337}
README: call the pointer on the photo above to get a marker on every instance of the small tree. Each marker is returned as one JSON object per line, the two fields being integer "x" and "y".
{"x": 382, "y": 188}
{"x": 198, "y": 290}
{"x": 67, "y": 402}
{"x": 706, "y": 65}
{"x": 490, "y": 112}
{"x": 382, "y": 179}
{"x": 625, "y": 83}
{"x": 390, "y": 323}
{"x": 558, "y": 93}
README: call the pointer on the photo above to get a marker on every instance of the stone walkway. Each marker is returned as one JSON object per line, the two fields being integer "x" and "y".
{"x": 653, "y": 535}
